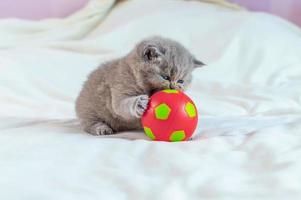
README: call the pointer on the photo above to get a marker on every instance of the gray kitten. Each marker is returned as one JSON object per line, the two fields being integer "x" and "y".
{"x": 116, "y": 94}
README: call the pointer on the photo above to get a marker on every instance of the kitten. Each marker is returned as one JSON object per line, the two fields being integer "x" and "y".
{"x": 116, "y": 94}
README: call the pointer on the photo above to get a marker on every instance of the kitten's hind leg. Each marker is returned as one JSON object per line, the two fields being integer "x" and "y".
{"x": 97, "y": 128}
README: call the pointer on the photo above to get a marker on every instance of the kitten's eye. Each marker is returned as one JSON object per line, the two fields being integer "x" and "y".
{"x": 166, "y": 78}
{"x": 180, "y": 81}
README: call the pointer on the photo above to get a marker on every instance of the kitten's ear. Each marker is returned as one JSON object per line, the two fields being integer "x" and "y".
{"x": 151, "y": 53}
{"x": 197, "y": 63}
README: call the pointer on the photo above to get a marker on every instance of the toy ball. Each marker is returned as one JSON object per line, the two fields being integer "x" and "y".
{"x": 171, "y": 116}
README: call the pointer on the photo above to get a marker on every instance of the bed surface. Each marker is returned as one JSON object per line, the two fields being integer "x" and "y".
{"x": 248, "y": 141}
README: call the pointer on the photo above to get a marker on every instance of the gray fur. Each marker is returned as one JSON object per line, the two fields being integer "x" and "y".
{"x": 116, "y": 94}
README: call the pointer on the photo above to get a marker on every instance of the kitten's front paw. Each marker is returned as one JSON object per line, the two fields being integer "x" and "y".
{"x": 140, "y": 105}
{"x": 100, "y": 129}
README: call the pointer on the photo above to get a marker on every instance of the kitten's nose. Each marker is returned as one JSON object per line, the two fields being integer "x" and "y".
{"x": 171, "y": 86}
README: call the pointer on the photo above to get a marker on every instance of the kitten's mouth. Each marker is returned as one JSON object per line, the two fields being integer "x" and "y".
{"x": 153, "y": 91}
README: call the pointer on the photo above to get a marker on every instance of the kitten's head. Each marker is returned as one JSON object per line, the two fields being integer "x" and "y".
{"x": 164, "y": 64}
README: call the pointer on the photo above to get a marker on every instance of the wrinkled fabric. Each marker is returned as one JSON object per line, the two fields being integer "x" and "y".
{"x": 19, "y": 32}
{"x": 247, "y": 144}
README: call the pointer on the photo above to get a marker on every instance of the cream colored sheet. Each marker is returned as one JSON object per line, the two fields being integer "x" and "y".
{"x": 247, "y": 144}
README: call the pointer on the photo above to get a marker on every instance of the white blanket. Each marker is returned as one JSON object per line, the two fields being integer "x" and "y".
{"x": 247, "y": 144}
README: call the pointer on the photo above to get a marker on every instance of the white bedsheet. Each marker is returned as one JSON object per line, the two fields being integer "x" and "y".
{"x": 247, "y": 144}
